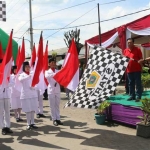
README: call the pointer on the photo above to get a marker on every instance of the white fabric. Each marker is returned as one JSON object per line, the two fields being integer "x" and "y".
{"x": 146, "y": 48}
{"x": 145, "y": 31}
{"x": 40, "y": 102}
{"x": 110, "y": 40}
{"x": 28, "y": 115}
{"x": 52, "y": 89}
{"x": 27, "y": 91}
{"x": 54, "y": 102}
{"x": 32, "y": 117}
{"x": 4, "y": 92}
{"x": 4, "y": 113}
{"x": 74, "y": 81}
{"x": 15, "y": 103}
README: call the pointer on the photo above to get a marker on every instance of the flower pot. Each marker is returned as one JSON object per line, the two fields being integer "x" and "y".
{"x": 143, "y": 130}
{"x": 100, "y": 119}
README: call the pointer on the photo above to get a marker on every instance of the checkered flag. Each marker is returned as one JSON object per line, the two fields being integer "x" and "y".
{"x": 2, "y": 11}
{"x": 101, "y": 76}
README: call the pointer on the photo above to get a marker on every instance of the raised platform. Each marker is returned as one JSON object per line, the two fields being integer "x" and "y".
{"x": 125, "y": 111}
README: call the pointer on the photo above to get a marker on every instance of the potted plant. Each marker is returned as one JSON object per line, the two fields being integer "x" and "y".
{"x": 143, "y": 127}
{"x": 100, "y": 116}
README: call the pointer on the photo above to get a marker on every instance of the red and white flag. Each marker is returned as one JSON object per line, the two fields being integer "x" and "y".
{"x": 18, "y": 55}
{"x": 1, "y": 51}
{"x": 68, "y": 76}
{"x": 5, "y": 68}
{"x": 33, "y": 57}
{"x": 38, "y": 75}
{"x": 21, "y": 58}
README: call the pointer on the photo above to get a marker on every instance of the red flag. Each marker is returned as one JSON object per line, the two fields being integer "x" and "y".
{"x": 33, "y": 57}
{"x": 21, "y": 58}
{"x": 1, "y": 51}
{"x": 5, "y": 68}
{"x": 18, "y": 55}
{"x": 38, "y": 64}
{"x": 45, "y": 62}
{"x": 69, "y": 75}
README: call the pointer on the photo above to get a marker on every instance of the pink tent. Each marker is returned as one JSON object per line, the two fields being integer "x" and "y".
{"x": 138, "y": 29}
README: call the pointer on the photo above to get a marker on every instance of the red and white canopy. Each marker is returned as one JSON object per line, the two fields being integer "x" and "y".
{"x": 136, "y": 29}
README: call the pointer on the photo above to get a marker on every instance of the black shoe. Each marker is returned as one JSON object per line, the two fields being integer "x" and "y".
{"x": 4, "y": 132}
{"x": 130, "y": 99}
{"x": 20, "y": 119}
{"x": 17, "y": 120}
{"x": 8, "y": 130}
{"x": 55, "y": 123}
{"x": 59, "y": 122}
{"x": 29, "y": 127}
{"x": 42, "y": 115}
{"x": 33, "y": 126}
{"x": 38, "y": 116}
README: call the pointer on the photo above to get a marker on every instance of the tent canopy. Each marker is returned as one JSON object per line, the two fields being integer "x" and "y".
{"x": 4, "y": 37}
{"x": 138, "y": 29}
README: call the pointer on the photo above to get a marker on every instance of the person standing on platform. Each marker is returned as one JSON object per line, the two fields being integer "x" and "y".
{"x": 15, "y": 95}
{"x": 134, "y": 70}
{"x": 29, "y": 97}
{"x": 53, "y": 93}
{"x": 4, "y": 110}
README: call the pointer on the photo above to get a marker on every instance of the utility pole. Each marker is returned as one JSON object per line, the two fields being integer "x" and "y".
{"x": 31, "y": 29}
{"x": 99, "y": 26}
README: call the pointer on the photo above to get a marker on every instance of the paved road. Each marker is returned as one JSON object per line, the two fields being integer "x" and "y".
{"x": 80, "y": 132}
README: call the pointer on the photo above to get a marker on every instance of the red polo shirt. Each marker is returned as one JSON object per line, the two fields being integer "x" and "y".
{"x": 135, "y": 54}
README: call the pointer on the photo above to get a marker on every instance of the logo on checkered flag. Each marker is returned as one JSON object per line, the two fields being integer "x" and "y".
{"x": 101, "y": 76}
{"x": 2, "y": 11}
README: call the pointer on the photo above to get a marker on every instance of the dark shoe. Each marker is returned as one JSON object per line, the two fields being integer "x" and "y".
{"x": 20, "y": 119}
{"x": 29, "y": 127}
{"x": 8, "y": 130}
{"x": 59, "y": 122}
{"x": 34, "y": 126}
{"x": 17, "y": 120}
{"x": 42, "y": 115}
{"x": 55, "y": 123}
{"x": 38, "y": 116}
{"x": 4, "y": 132}
{"x": 130, "y": 99}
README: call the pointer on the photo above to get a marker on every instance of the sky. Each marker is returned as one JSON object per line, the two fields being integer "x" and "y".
{"x": 46, "y": 17}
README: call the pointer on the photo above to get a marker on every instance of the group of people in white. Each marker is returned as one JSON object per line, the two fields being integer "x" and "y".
{"x": 28, "y": 99}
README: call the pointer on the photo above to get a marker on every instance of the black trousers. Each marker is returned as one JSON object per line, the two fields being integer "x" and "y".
{"x": 45, "y": 94}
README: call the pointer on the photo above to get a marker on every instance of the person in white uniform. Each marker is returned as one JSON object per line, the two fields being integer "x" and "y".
{"x": 29, "y": 97}
{"x": 15, "y": 95}
{"x": 4, "y": 110}
{"x": 53, "y": 93}
{"x": 39, "y": 112}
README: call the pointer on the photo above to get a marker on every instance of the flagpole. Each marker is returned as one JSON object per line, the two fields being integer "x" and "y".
{"x": 99, "y": 26}
{"x": 31, "y": 28}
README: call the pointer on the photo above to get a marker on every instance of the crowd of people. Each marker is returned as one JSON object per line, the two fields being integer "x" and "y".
{"x": 28, "y": 99}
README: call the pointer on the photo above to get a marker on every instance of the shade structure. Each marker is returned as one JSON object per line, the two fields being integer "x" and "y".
{"x": 4, "y": 37}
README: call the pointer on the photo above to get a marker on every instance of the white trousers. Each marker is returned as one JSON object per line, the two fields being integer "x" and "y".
{"x": 4, "y": 113}
{"x": 40, "y": 104}
{"x": 54, "y": 102}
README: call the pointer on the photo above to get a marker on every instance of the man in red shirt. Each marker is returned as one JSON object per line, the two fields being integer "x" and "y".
{"x": 134, "y": 70}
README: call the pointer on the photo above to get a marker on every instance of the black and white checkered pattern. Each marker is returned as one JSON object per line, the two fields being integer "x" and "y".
{"x": 2, "y": 11}
{"x": 99, "y": 60}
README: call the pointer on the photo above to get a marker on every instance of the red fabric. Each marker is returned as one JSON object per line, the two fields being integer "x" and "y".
{"x": 135, "y": 54}
{"x": 45, "y": 62}
{"x": 53, "y": 69}
{"x": 140, "y": 24}
{"x": 105, "y": 36}
{"x": 39, "y": 63}
{"x": 122, "y": 36}
{"x": 27, "y": 73}
{"x": 18, "y": 55}
{"x": 1, "y": 51}
{"x": 146, "y": 45}
{"x": 33, "y": 56}
{"x": 6, "y": 60}
{"x": 21, "y": 57}
{"x": 66, "y": 74}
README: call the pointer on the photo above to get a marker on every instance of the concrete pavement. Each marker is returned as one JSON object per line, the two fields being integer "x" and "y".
{"x": 79, "y": 132}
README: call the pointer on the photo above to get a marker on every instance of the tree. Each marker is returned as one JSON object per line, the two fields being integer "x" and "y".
{"x": 73, "y": 34}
